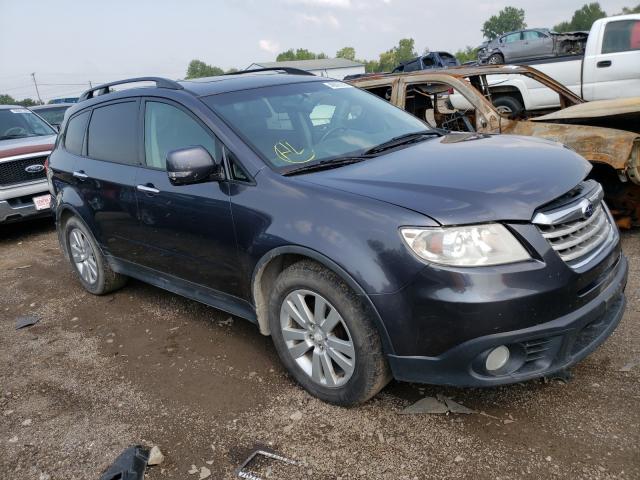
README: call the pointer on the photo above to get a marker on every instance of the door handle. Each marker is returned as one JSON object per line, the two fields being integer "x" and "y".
{"x": 81, "y": 175}
{"x": 603, "y": 64}
{"x": 147, "y": 189}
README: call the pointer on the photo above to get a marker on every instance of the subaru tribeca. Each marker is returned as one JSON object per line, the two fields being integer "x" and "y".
{"x": 368, "y": 245}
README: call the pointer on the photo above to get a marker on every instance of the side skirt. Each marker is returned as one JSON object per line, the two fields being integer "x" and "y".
{"x": 208, "y": 296}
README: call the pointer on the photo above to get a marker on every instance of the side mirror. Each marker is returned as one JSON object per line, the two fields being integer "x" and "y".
{"x": 192, "y": 165}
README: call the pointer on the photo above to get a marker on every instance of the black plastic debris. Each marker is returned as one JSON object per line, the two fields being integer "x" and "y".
{"x": 26, "y": 321}
{"x": 564, "y": 376}
{"x": 129, "y": 465}
{"x": 243, "y": 472}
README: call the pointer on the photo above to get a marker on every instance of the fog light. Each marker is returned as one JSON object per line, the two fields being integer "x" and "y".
{"x": 497, "y": 358}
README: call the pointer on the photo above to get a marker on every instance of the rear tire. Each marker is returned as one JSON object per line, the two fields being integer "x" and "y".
{"x": 353, "y": 342}
{"x": 87, "y": 260}
{"x": 509, "y": 106}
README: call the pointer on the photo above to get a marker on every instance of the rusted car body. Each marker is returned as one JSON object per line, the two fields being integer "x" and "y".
{"x": 614, "y": 153}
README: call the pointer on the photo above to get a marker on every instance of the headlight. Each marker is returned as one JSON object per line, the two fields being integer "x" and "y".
{"x": 468, "y": 246}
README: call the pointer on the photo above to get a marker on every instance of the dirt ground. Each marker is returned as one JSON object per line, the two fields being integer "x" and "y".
{"x": 98, "y": 374}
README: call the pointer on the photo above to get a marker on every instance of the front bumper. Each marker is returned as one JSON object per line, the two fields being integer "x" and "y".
{"x": 16, "y": 203}
{"x": 536, "y": 351}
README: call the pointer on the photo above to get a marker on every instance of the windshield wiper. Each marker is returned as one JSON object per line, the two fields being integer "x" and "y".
{"x": 403, "y": 140}
{"x": 7, "y": 137}
{"x": 327, "y": 164}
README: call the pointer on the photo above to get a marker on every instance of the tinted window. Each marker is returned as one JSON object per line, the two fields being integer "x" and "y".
{"x": 168, "y": 128}
{"x": 113, "y": 133}
{"x": 514, "y": 37}
{"x": 74, "y": 136}
{"x": 236, "y": 170}
{"x": 621, "y": 36}
{"x": 532, "y": 35}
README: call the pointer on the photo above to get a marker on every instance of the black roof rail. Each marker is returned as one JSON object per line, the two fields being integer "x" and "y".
{"x": 104, "y": 88}
{"x": 287, "y": 70}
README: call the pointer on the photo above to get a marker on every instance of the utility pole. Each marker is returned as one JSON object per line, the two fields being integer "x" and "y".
{"x": 33, "y": 75}
{"x": 90, "y": 85}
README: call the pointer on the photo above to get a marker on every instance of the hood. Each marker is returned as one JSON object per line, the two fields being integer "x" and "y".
{"x": 595, "y": 109}
{"x": 596, "y": 144}
{"x": 462, "y": 178}
{"x": 22, "y": 146}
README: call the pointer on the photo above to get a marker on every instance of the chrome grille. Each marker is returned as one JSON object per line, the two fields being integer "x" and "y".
{"x": 580, "y": 229}
{"x": 13, "y": 172}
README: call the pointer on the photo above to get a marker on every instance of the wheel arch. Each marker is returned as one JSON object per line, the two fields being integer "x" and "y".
{"x": 275, "y": 261}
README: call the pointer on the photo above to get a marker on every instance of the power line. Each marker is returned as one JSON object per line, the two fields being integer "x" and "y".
{"x": 33, "y": 75}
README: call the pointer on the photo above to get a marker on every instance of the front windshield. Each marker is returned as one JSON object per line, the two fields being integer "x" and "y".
{"x": 306, "y": 123}
{"x": 21, "y": 122}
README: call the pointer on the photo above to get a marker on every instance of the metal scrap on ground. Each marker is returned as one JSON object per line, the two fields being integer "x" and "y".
{"x": 26, "y": 321}
{"x": 438, "y": 405}
{"x": 130, "y": 465}
{"x": 242, "y": 472}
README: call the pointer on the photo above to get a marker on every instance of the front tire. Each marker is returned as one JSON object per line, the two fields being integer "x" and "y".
{"x": 87, "y": 261}
{"x": 496, "y": 59}
{"x": 324, "y": 336}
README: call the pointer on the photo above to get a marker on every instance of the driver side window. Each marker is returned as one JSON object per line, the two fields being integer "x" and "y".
{"x": 168, "y": 128}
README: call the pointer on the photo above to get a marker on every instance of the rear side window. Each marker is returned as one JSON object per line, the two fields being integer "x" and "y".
{"x": 113, "y": 133}
{"x": 74, "y": 136}
{"x": 168, "y": 128}
{"x": 621, "y": 36}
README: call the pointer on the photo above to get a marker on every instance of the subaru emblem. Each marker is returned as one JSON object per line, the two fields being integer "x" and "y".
{"x": 35, "y": 168}
{"x": 587, "y": 210}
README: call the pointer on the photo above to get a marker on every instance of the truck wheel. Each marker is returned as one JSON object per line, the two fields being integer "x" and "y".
{"x": 496, "y": 59}
{"x": 324, "y": 336}
{"x": 87, "y": 261}
{"x": 509, "y": 106}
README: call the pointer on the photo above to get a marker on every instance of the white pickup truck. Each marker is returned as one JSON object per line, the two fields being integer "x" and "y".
{"x": 610, "y": 68}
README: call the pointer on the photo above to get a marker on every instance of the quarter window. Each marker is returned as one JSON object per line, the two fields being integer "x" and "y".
{"x": 74, "y": 136}
{"x": 113, "y": 133}
{"x": 168, "y": 128}
{"x": 621, "y": 36}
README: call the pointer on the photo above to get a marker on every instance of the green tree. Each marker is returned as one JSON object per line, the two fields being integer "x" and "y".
{"x": 507, "y": 20}
{"x": 198, "y": 69}
{"x": 27, "y": 102}
{"x": 405, "y": 50}
{"x": 466, "y": 55}
{"x": 582, "y": 18}
{"x": 630, "y": 10}
{"x": 7, "y": 100}
{"x": 347, "y": 52}
{"x": 299, "y": 54}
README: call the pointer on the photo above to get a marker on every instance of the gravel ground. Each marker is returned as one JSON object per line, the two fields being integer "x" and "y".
{"x": 98, "y": 374}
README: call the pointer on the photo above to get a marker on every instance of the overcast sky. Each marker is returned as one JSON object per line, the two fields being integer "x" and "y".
{"x": 74, "y": 42}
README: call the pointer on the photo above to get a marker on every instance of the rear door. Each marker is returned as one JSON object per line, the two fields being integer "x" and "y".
{"x": 536, "y": 44}
{"x": 615, "y": 70}
{"x": 106, "y": 176}
{"x": 187, "y": 230}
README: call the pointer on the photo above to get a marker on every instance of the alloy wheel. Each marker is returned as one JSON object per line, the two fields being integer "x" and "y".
{"x": 84, "y": 257}
{"x": 317, "y": 338}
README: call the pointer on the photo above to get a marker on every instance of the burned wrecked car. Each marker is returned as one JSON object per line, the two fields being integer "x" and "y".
{"x": 460, "y": 99}
{"x": 531, "y": 43}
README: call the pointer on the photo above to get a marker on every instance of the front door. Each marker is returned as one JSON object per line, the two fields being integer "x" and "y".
{"x": 187, "y": 230}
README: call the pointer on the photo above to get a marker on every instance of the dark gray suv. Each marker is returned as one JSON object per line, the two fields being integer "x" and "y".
{"x": 367, "y": 244}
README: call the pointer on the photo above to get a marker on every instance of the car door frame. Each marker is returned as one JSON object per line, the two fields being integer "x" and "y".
{"x": 216, "y": 295}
